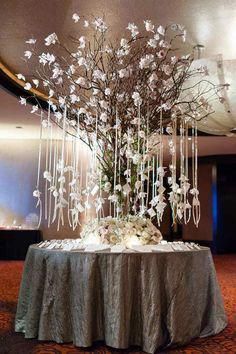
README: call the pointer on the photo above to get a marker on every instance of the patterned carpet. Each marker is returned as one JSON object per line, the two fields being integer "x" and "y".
{"x": 12, "y": 343}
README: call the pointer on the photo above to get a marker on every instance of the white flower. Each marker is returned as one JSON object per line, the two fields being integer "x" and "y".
{"x": 161, "y": 30}
{"x": 82, "y": 61}
{"x": 86, "y": 23}
{"x": 27, "y": 86}
{"x": 103, "y": 117}
{"x": 46, "y": 58}
{"x": 104, "y": 104}
{"x": 149, "y": 26}
{"x": 45, "y": 123}
{"x": 98, "y": 74}
{"x": 34, "y": 109}
{"x": 57, "y": 71}
{"x": 107, "y": 187}
{"x": 137, "y": 99}
{"x": 31, "y": 41}
{"x": 123, "y": 73}
{"x": 23, "y": 101}
{"x": 75, "y": 17}
{"x": 36, "y": 193}
{"x": 152, "y": 43}
{"x": 20, "y": 77}
{"x": 62, "y": 101}
{"x": 82, "y": 111}
{"x": 58, "y": 115}
{"x": 72, "y": 88}
{"x": 74, "y": 98}
{"x": 146, "y": 61}
{"x": 47, "y": 176}
{"x": 51, "y": 39}
{"x": 28, "y": 54}
{"x": 123, "y": 42}
{"x": 100, "y": 25}
{"x": 36, "y": 82}
{"x": 153, "y": 77}
{"x": 51, "y": 93}
{"x": 81, "y": 81}
{"x": 107, "y": 91}
{"x": 133, "y": 29}
{"x": 82, "y": 42}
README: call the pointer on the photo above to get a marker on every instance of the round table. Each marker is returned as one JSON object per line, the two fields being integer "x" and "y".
{"x": 152, "y": 300}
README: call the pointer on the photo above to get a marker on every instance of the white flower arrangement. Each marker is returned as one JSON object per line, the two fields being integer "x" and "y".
{"x": 128, "y": 231}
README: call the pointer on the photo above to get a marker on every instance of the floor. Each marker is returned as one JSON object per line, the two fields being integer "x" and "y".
{"x": 12, "y": 343}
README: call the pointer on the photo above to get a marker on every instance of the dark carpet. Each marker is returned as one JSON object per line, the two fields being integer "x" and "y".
{"x": 13, "y": 343}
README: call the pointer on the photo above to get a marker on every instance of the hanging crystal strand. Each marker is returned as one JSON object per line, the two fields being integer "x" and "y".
{"x": 187, "y": 207}
{"x": 115, "y": 162}
{"x": 136, "y": 197}
{"x": 61, "y": 192}
{"x": 174, "y": 184}
{"x": 128, "y": 173}
{"x": 39, "y": 202}
{"x": 50, "y": 183}
{"x": 70, "y": 177}
{"x": 161, "y": 174}
{"x": 142, "y": 167}
{"x": 148, "y": 162}
{"x": 181, "y": 203}
{"x": 55, "y": 173}
{"x": 196, "y": 203}
{"x": 46, "y": 167}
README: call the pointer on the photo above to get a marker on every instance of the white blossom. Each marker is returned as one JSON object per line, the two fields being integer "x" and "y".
{"x": 36, "y": 82}
{"x": 28, "y": 54}
{"x": 149, "y": 26}
{"x": 75, "y": 17}
{"x": 82, "y": 42}
{"x": 100, "y": 25}
{"x": 20, "y": 77}
{"x": 133, "y": 29}
{"x": 146, "y": 61}
{"x": 161, "y": 30}
{"x": 45, "y": 58}
{"x": 152, "y": 43}
{"x": 34, "y": 109}
{"x": 51, "y": 39}
{"x": 99, "y": 75}
{"x": 27, "y": 86}
{"x": 23, "y": 101}
{"x": 103, "y": 117}
{"x": 31, "y": 41}
{"x": 36, "y": 193}
{"x": 137, "y": 99}
{"x": 86, "y": 23}
{"x": 107, "y": 91}
{"x": 81, "y": 81}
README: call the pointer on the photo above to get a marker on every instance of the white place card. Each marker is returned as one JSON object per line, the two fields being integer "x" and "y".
{"x": 118, "y": 249}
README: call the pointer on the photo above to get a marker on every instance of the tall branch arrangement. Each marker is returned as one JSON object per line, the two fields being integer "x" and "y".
{"x": 125, "y": 100}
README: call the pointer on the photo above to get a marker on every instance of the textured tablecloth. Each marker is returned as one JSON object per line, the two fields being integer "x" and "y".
{"x": 152, "y": 300}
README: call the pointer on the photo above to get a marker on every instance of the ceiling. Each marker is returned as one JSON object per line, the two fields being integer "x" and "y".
{"x": 211, "y": 23}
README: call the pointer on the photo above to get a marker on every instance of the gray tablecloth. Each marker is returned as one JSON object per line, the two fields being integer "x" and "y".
{"x": 152, "y": 300}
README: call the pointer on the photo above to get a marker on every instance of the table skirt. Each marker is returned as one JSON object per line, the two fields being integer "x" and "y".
{"x": 153, "y": 300}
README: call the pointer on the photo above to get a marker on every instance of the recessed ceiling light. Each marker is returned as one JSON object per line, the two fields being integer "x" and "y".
{"x": 18, "y": 127}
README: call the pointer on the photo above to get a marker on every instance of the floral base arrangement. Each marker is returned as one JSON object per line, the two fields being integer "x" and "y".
{"x": 127, "y": 231}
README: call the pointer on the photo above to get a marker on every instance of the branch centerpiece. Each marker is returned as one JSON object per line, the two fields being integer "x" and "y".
{"x": 129, "y": 100}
